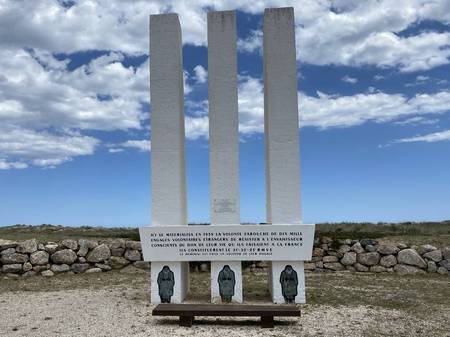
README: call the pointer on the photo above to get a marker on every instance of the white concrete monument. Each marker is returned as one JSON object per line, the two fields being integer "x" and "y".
{"x": 223, "y": 137}
{"x": 281, "y": 131}
{"x": 169, "y": 243}
{"x": 168, "y": 175}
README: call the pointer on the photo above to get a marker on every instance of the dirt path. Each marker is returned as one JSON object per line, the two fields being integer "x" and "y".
{"x": 114, "y": 304}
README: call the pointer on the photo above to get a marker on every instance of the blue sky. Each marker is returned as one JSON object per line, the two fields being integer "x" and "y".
{"x": 374, "y": 104}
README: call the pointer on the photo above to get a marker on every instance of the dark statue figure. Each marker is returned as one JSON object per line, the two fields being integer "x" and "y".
{"x": 289, "y": 282}
{"x": 166, "y": 281}
{"x": 226, "y": 281}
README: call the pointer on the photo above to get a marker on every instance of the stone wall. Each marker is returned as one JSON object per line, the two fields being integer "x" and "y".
{"x": 28, "y": 258}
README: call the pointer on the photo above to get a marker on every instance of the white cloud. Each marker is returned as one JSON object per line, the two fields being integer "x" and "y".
{"x": 143, "y": 145}
{"x": 348, "y": 79}
{"x": 432, "y": 137}
{"x": 115, "y": 150}
{"x": 201, "y": 74}
{"x": 417, "y": 120}
{"x": 252, "y": 42}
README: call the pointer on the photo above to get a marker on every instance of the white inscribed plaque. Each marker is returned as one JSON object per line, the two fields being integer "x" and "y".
{"x": 227, "y": 242}
{"x": 224, "y": 205}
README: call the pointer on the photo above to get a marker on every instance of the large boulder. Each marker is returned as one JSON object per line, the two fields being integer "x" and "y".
{"x": 99, "y": 254}
{"x": 388, "y": 261}
{"x": 434, "y": 255}
{"x": 71, "y": 244}
{"x": 404, "y": 269}
{"x": 369, "y": 259}
{"x": 132, "y": 255}
{"x": 85, "y": 246}
{"x": 13, "y": 258}
{"x": 422, "y": 249}
{"x": 387, "y": 249}
{"x": 65, "y": 256}
{"x": 39, "y": 258}
{"x": 28, "y": 246}
{"x": 411, "y": 257}
{"x": 349, "y": 259}
{"x": 117, "y": 243}
{"x": 5, "y": 244}
{"x": 357, "y": 248}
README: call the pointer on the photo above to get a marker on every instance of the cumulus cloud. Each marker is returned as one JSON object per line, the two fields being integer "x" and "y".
{"x": 348, "y": 79}
{"x": 142, "y": 144}
{"x": 201, "y": 74}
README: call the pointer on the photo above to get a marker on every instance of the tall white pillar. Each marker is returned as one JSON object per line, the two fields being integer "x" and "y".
{"x": 223, "y": 136}
{"x": 281, "y": 135}
{"x": 168, "y": 176}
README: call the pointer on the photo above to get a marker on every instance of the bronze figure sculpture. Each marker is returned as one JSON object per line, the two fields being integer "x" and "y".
{"x": 166, "y": 281}
{"x": 289, "y": 282}
{"x": 227, "y": 282}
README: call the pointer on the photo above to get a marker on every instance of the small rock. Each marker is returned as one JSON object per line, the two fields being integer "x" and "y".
{"x": 99, "y": 254}
{"x": 445, "y": 264}
{"x": 65, "y": 256}
{"x": 51, "y": 247}
{"x": 370, "y": 248}
{"x": 336, "y": 266}
{"x": 93, "y": 270}
{"x": 319, "y": 264}
{"x": 28, "y": 246}
{"x": 81, "y": 259}
{"x": 118, "y": 262}
{"x": 39, "y": 258}
{"x": 27, "y": 266}
{"x": 402, "y": 246}
{"x": 378, "y": 269}
{"x": 344, "y": 249}
{"x": 316, "y": 258}
{"x": 435, "y": 255}
{"x": 327, "y": 240}
{"x": 387, "y": 249}
{"x": 12, "y": 268}
{"x": 71, "y": 244}
{"x": 104, "y": 267}
{"x": 5, "y": 244}
{"x": 324, "y": 247}
{"x": 309, "y": 265}
{"x": 317, "y": 252}
{"x": 8, "y": 251}
{"x": 85, "y": 246}
{"x": 442, "y": 271}
{"x": 38, "y": 269}
{"x": 425, "y": 249}
{"x": 79, "y": 267}
{"x": 357, "y": 248}
{"x": 117, "y": 251}
{"x": 136, "y": 245}
{"x": 431, "y": 267}
{"x": 349, "y": 259}
{"x": 29, "y": 273}
{"x": 404, "y": 269}
{"x": 365, "y": 242}
{"x": 330, "y": 259}
{"x": 411, "y": 257}
{"x": 388, "y": 261}
{"x": 47, "y": 273}
{"x": 132, "y": 255}
{"x": 41, "y": 246}
{"x": 360, "y": 267}
{"x": 350, "y": 268}
{"x": 117, "y": 243}
{"x": 446, "y": 253}
{"x": 13, "y": 258}
{"x": 59, "y": 268}
{"x": 369, "y": 259}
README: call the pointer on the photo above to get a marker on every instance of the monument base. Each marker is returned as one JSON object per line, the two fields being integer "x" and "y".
{"x": 216, "y": 267}
{"x": 275, "y": 287}
{"x": 181, "y": 280}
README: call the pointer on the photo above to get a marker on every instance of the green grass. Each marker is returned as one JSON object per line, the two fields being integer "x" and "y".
{"x": 437, "y": 233}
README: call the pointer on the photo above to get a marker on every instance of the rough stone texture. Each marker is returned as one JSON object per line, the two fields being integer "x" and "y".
{"x": 344, "y": 249}
{"x": 51, "y": 247}
{"x": 5, "y": 244}
{"x": 442, "y": 271}
{"x": 357, "y": 248}
{"x": 117, "y": 251}
{"x": 402, "y": 246}
{"x": 334, "y": 266}
{"x": 8, "y": 251}
{"x": 387, "y": 249}
{"x": 132, "y": 255}
{"x": 411, "y": 257}
{"x": 59, "y": 268}
{"x": 13, "y": 258}
{"x": 117, "y": 243}
{"x": 79, "y": 267}
{"x": 47, "y": 273}
{"x": 360, "y": 267}
{"x": 370, "y": 248}
{"x": 93, "y": 270}
{"x": 388, "y": 261}
{"x": 368, "y": 259}
{"x": 27, "y": 266}
{"x": 435, "y": 255}
{"x": 422, "y": 249}
{"x": 431, "y": 267}
{"x": 106, "y": 267}
{"x": 404, "y": 269}
{"x": 118, "y": 262}
{"x": 317, "y": 252}
{"x": 65, "y": 256}
{"x": 326, "y": 240}
{"x": 38, "y": 269}
{"x": 71, "y": 244}
{"x": 378, "y": 269}
{"x": 99, "y": 254}
{"x": 85, "y": 246}
{"x": 330, "y": 259}
{"x": 319, "y": 264}
{"x": 27, "y": 247}
{"x": 445, "y": 264}
{"x": 446, "y": 253}
{"x": 349, "y": 259}
{"x": 350, "y": 268}
{"x": 29, "y": 273}
{"x": 365, "y": 242}
{"x": 12, "y": 268}
{"x": 81, "y": 259}
{"x": 136, "y": 245}
{"x": 39, "y": 258}
{"x": 309, "y": 266}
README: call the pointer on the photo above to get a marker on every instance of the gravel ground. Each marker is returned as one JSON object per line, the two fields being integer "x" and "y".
{"x": 114, "y": 304}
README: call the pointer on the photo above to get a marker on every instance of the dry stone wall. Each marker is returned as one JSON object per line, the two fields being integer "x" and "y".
{"x": 29, "y": 258}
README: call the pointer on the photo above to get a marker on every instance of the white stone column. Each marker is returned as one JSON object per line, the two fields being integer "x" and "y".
{"x": 168, "y": 176}
{"x": 223, "y": 136}
{"x": 281, "y": 135}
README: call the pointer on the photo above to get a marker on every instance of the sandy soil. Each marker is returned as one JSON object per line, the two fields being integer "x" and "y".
{"x": 114, "y": 304}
